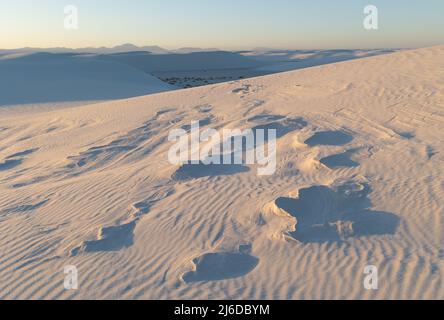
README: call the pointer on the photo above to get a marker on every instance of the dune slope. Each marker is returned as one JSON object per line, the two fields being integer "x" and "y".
{"x": 359, "y": 182}
{"x": 40, "y": 78}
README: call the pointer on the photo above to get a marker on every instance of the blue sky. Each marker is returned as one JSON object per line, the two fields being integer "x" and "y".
{"x": 225, "y": 24}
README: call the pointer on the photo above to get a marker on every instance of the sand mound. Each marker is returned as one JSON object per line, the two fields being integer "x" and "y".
{"x": 39, "y": 78}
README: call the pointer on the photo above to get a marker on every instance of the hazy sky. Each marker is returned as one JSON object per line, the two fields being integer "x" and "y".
{"x": 225, "y": 24}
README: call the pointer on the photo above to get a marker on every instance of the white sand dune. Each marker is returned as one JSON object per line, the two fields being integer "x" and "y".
{"x": 61, "y": 77}
{"x": 359, "y": 182}
{"x": 47, "y": 78}
{"x": 287, "y": 60}
{"x": 184, "y": 62}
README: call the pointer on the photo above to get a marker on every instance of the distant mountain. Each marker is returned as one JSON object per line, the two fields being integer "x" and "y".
{"x": 192, "y": 50}
{"x": 127, "y": 47}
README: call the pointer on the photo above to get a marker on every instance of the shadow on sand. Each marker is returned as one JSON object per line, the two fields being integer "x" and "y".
{"x": 334, "y": 214}
{"x": 221, "y": 266}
